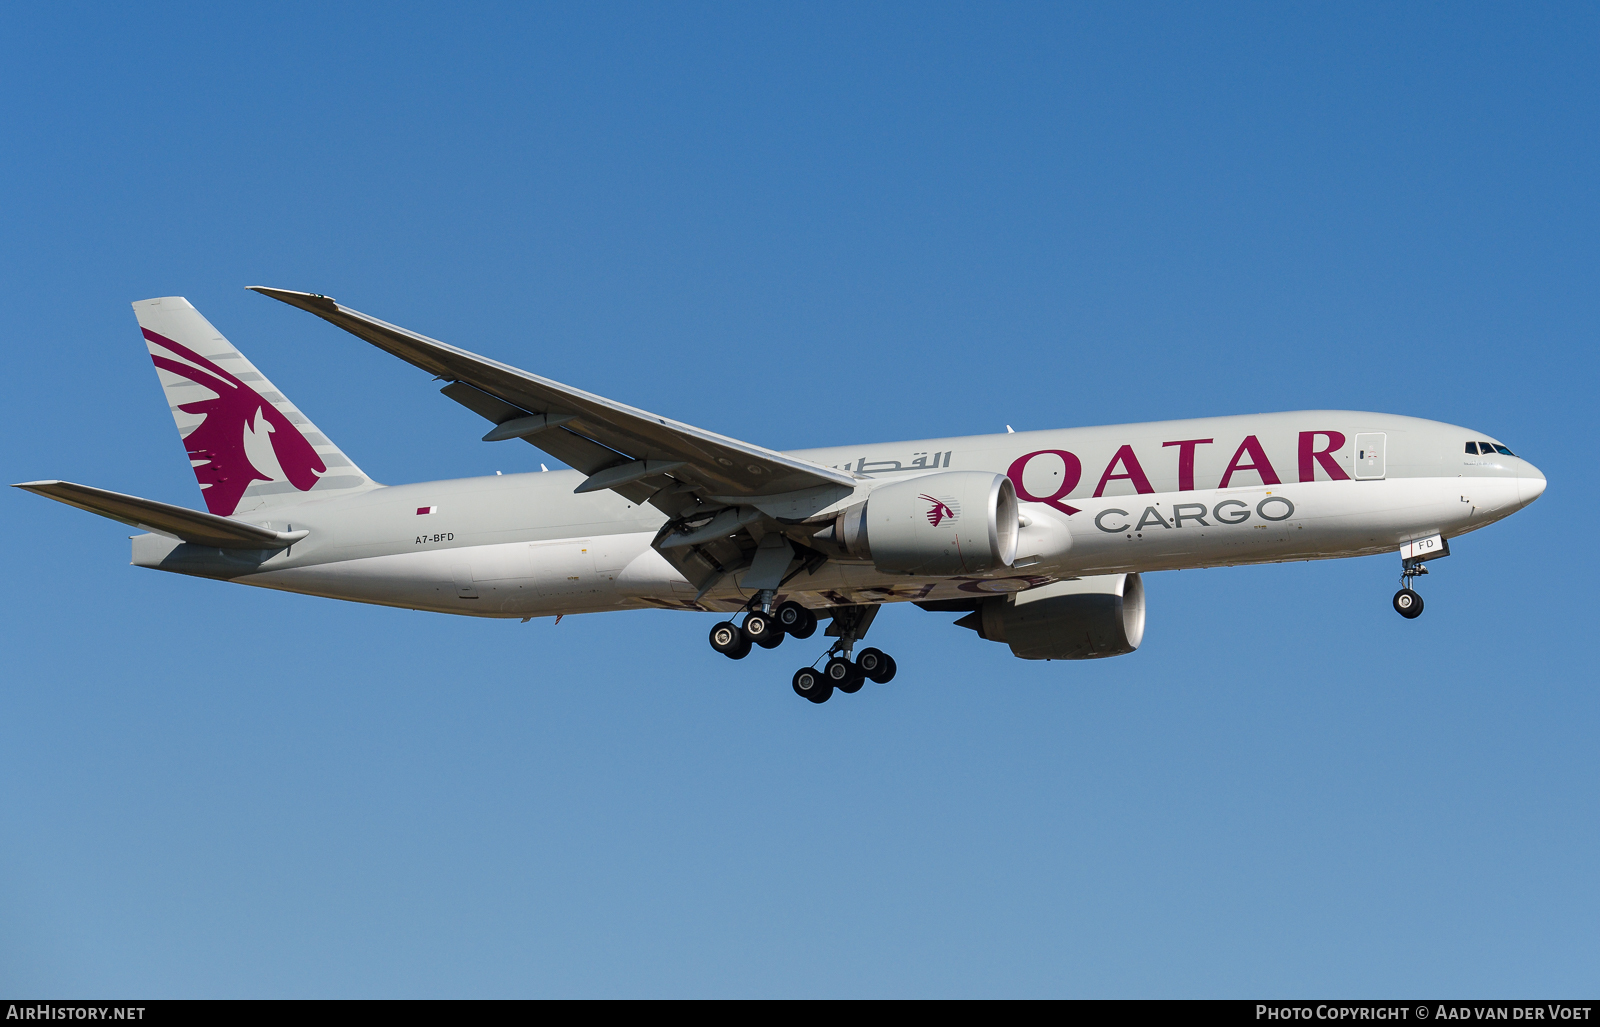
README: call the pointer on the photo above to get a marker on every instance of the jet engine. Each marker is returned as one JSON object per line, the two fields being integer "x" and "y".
{"x": 954, "y": 522}
{"x": 1086, "y": 619}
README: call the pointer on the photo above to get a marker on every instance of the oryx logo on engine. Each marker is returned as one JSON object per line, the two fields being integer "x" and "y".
{"x": 946, "y": 509}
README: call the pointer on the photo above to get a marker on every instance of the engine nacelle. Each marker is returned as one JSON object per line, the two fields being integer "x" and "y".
{"x": 936, "y": 525}
{"x": 1087, "y": 619}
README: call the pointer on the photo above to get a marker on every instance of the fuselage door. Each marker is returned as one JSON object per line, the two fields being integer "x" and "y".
{"x": 1370, "y": 459}
{"x": 461, "y": 571}
{"x": 564, "y": 568}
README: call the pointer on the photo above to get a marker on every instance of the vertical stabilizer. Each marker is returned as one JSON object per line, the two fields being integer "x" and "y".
{"x": 250, "y": 447}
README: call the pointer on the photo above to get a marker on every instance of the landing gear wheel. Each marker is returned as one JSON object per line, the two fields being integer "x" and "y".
{"x": 888, "y": 675}
{"x": 843, "y": 675}
{"x": 875, "y": 664}
{"x": 1408, "y": 604}
{"x": 762, "y": 630}
{"x": 796, "y": 619}
{"x": 809, "y": 683}
{"x": 727, "y": 639}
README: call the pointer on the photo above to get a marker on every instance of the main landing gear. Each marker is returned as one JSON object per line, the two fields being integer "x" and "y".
{"x": 764, "y": 629}
{"x": 843, "y": 674}
{"x": 839, "y": 673}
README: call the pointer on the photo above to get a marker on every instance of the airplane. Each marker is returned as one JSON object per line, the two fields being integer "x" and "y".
{"x": 1038, "y": 538}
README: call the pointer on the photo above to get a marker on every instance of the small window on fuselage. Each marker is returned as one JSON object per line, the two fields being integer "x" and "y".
{"x": 1472, "y": 447}
{"x": 1503, "y": 451}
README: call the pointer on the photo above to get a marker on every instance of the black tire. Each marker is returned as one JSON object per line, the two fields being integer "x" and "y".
{"x": 796, "y": 619}
{"x": 875, "y": 664}
{"x": 889, "y": 675}
{"x": 762, "y": 630}
{"x": 1408, "y": 604}
{"x": 727, "y": 639}
{"x": 810, "y": 684}
{"x": 843, "y": 675}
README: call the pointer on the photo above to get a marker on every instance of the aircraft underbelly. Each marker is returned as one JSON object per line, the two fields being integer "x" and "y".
{"x": 502, "y": 580}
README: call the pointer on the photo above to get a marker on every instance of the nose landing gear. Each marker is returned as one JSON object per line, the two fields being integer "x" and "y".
{"x": 1407, "y": 603}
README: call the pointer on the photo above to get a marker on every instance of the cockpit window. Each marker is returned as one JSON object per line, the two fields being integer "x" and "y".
{"x": 1486, "y": 448}
{"x": 1503, "y": 451}
{"x": 1472, "y": 447}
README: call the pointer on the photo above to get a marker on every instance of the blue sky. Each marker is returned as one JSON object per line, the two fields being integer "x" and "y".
{"x": 804, "y": 225}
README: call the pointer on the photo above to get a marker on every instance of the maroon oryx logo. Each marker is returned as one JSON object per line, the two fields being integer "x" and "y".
{"x": 216, "y": 446}
{"x": 940, "y": 511}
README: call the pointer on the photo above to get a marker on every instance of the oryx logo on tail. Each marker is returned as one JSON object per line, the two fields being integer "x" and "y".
{"x": 942, "y": 510}
{"x": 236, "y": 416}
{"x": 250, "y": 448}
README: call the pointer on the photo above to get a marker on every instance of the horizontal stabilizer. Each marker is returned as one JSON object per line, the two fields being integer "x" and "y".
{"x": 201, "y": 529}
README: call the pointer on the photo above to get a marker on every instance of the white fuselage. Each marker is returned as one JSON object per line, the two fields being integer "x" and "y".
{"x": 1117, "y": 499}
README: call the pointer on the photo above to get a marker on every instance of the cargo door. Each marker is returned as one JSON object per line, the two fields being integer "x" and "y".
{"x": 564, "y": 569}
{"x": 1371, "y": 461}
{"x": 500, "y": 573}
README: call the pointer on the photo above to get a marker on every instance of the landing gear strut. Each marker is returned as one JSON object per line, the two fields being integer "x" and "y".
{"x": 1406, "y": 601}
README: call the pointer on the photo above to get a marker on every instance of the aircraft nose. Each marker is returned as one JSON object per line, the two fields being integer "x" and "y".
{"x": 1530, "y": 483}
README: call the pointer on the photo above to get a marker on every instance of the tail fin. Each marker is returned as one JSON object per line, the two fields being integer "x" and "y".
{"x": 250, "y": 447}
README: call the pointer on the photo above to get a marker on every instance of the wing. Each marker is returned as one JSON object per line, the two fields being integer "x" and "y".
{"x": 201, "y": 529}
{"x": 690, "y": 474}
{"x": 616, "y": 434}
